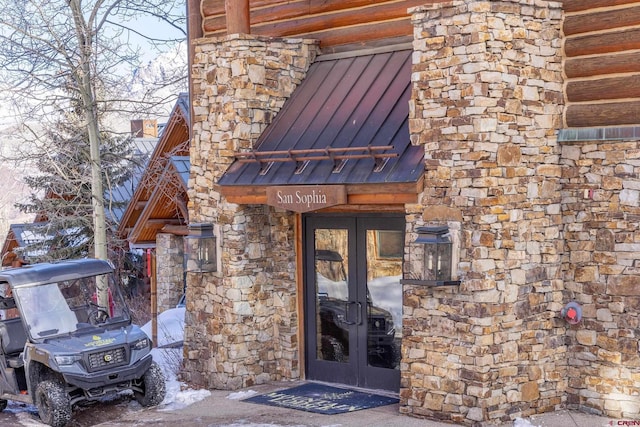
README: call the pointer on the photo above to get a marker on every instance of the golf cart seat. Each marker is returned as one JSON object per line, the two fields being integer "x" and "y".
{"x": 13, "y": 337}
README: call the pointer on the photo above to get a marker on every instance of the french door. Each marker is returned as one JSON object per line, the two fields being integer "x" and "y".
{"x": 353, "y": 299}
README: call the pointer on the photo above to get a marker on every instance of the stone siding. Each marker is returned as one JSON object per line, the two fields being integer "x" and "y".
{"x": 169, "y": 270}
{"x": 536, "y": 224}
{"x": 487, "y": 101}
{"x": 601, "y": 205}
{"x": 242, "y": 324}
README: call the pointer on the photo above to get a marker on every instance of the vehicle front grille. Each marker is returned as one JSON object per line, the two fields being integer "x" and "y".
{"x": 107, "y": 358}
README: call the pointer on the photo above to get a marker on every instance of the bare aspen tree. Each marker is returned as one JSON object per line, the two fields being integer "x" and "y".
{"x": 63, "y": 55}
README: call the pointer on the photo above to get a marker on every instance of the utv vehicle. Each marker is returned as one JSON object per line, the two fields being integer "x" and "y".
{"x": 66, "y": 338}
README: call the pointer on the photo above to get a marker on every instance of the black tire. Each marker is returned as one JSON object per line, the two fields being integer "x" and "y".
{"x": 3, "y": 405}
{"x": 153, "y": 385}
{"x": 53, "y": 403}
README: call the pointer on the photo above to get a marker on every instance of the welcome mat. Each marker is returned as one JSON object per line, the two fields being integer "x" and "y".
{"x": 322, "y": 399}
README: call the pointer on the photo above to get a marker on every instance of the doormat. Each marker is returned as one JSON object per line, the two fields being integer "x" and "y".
{"x": 322, "y": 399}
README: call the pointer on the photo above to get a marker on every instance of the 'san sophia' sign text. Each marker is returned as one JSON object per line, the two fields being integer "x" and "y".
{"x": 306, "y": 198}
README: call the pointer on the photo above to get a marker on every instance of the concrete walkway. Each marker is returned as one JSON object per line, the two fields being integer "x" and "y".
{"x": 219, "y": 410}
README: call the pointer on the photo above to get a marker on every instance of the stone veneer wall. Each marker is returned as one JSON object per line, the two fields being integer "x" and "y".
{"x": 486, "y": 103}
{"x": 241, "y": 319}
{"x": 601, "y": 205}
{"x": 169, "y": 270}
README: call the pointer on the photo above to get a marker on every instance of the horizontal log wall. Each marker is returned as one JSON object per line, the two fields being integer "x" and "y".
{"x": 602, "y": 65}
{"x": 333, "y": 22}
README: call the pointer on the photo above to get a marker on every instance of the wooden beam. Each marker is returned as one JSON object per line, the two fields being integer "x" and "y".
{"x": 604, "y": 114}
{"x": 599, "y": 21}
{"x": 237, "y": 14}
{"x": 582, "y": 5}
{"x": 389, "y": 188}
{"x": 366, "y": 208}
{"x": 363, "y": 35}
{"x": 371, "y": 198}
{"x": 297, "y": 238}
{"x": 159, "y": 222}
{"x": 277, "y": 10}
{"x": 615, "y": 63}
{"x": 318, "y": 23}
{"x": 331, "y": 22}
{"x": 605, "y": 43}
{"x": 178, "y": 230}
{"x": 604, "y": 89}
{"x": 217, "y": 7}
{"x": 194, "y": 31}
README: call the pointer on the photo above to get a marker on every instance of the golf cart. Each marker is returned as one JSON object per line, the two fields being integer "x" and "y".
{"x": 66, "y": 338}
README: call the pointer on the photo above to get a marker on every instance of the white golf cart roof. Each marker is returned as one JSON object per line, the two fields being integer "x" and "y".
{"x": 38, "y": 274}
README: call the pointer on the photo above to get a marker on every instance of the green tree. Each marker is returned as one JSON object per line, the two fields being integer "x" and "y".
{"x": 61, "y": 191}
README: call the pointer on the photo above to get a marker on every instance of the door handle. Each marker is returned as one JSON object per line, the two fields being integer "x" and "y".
{"x": 347, "y": 305}
{"x": 359, "y": 316}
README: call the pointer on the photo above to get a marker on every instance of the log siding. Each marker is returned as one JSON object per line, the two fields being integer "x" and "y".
{"x": 332, "y": 22}
{"x": 602, "y": 62}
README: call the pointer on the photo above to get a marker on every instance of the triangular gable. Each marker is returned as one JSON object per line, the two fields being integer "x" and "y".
{"x": 152, "y": 206}
{"x": 167, "y": 204}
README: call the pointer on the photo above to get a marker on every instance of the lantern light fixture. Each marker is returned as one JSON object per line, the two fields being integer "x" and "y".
{"x": 437, "y": 262}
{"x": 200, "y": 249}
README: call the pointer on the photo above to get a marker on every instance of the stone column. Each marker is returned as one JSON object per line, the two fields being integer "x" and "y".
{"x": 486, "y": 104}
{"x": 170, "y": 270}
{"x": 243, "y": 318}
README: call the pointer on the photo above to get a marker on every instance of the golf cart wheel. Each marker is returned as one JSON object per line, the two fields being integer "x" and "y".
{"x": 153, "y": 385}
{"x": 54, "y": 406}
{"x": 3, "y": 405}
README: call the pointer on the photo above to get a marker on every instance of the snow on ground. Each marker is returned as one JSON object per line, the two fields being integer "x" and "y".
{"x": 168, "y": 354}
{"x": 521, "y": 422}
{"x": 170, "y": 327}
{"x": 239, "y": 395}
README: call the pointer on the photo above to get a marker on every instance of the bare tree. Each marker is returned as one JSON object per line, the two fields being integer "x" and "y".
{"x": 63, "y": 55}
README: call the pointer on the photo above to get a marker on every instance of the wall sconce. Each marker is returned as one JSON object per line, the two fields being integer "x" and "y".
{"x": 200, "y": 249}
{"x": 437, "y": 260}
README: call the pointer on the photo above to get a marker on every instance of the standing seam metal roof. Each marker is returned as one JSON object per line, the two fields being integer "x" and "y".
{"x": 347, "y": 102}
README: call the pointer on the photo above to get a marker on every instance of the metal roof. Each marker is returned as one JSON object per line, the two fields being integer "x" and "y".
{"x": 182, "y": 165}
{"x": 122, "y": 194}
{"x": 359, "y": 101}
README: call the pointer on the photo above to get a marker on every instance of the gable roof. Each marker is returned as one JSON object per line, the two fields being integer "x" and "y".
{"x": 161, "y": 196}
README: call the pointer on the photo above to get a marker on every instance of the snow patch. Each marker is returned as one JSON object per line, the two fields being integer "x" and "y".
{"x": 521, "y": 422}
{"x": 242, "y": 395}
{"x": 170, "y": 327}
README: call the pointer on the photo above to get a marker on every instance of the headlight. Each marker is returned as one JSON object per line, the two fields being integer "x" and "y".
{"x": 67, "y": 360}
{"x": 141, "y": 344}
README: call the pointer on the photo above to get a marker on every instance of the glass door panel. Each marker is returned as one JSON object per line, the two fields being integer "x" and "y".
{"x": 384, "y": 297}
{"x": 332, "y": 305}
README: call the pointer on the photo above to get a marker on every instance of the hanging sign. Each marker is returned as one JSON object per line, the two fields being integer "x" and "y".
{"x": 306, "y": 198}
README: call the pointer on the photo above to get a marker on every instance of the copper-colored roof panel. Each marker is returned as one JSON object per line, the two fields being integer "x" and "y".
{"x": 359, "y": 101}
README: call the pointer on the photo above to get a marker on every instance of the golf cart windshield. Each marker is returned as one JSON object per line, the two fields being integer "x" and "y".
{"x": 64, "y": 307}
